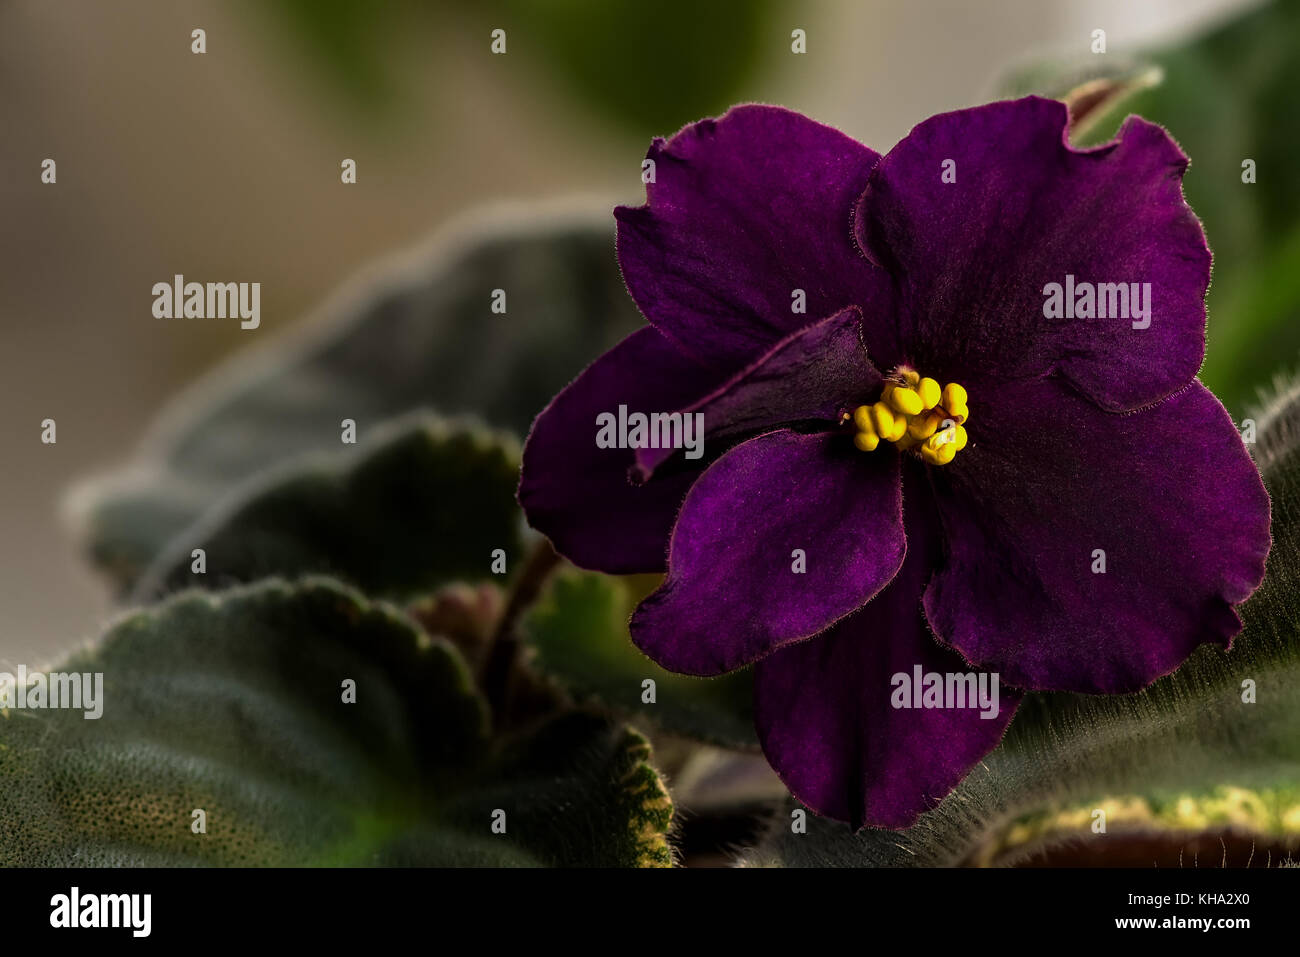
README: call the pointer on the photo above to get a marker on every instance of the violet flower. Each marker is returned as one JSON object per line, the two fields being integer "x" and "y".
{"x": 984, "y": 456}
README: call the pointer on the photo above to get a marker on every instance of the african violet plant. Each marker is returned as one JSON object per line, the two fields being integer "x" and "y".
{"x": 1064, "y": 436}
{"x": 939, "y": 417}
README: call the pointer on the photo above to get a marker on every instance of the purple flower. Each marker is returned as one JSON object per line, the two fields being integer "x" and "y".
{"x": 980, "y": 445}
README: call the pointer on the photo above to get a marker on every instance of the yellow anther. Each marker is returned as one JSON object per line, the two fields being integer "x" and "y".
{"x": 929, "y": 392}
{"x": 883, "y": 419}
{"x": 923, "y": 426}
{"x": 940, "y": 448}
{"x": 866, "y": 441}
{"x": 916, "y": 415}
{"x": 904, "y": 400}
{"x": 953, "y": 402}
{"x": 862, "y": 419}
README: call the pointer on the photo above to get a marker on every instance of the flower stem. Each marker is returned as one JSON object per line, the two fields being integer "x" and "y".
{"x": 503, "y": 655}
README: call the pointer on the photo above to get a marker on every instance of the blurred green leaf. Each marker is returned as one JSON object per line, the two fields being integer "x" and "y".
{"x": 632, "y": 63}
{"x": 639, "y": 63}
{"x": 234, "y": 705}
{"x": 417, "y": 333}
{"x": 421, "y": 502}
{"x": 345, "y": 41}
{"x": 1227, "y": 96}
{"x": 1178, "y": 768}
{"x": 579, "y": 636}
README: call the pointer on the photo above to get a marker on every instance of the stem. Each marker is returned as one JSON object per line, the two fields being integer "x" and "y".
{"x": 503, "y": 653}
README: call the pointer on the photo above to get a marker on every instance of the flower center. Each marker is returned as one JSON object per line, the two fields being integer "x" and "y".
{"x": 915, "y": 413}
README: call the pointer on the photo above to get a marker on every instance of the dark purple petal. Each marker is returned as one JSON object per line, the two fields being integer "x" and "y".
{"x": 732, "y": 593}
{"x": 812, "y": 374}
{"x": 973, "y": 257}
{"x": 1169, "y": 494}
{"x": 824, "y": 714}
{"x": 579, "y": 495}
{"x": 744, "y": 210}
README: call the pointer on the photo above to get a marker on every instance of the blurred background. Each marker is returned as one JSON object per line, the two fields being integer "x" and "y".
{"x": 225, "y": 166}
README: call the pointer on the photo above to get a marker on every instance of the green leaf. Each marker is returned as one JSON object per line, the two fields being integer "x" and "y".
{"x": 416, "y": 333}
{"x": 1226, "y": 97}
{"x": 636, "y": 64}
{"x": 1182, "y": 769}
{"x": 233, "y": 704}
{"x": 422, "y": 502}
{"x": 581, "y": 790}
{"x": 631, "y": 63}
{"x": 579, "y": 637}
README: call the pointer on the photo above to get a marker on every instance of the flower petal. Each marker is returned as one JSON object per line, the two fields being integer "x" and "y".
{"x": 1169, "y": 495}
{"x": 734, "y": 592}
{"x": 973, "y": 257}
{"x": 745, "y": 210}
{"x": 579, "y": 495}
{"x": 812, "y": 374}
{"x": 824, "y": 713}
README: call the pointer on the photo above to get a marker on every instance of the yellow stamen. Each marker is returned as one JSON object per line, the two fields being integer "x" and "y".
{"x": 923, "y": 426}
{"x": 940, "y": 456}
{"x": 941, "y": 438}
{"x": 916, "y": 415}
{"x": 883, "y": 419}
{"x": 930, "y": 393}
{"x": 862, "y": 419}
{"x": 906, "y": 401}
{"x": 866, "y": 441}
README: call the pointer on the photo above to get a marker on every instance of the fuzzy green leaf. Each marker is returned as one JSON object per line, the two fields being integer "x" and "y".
{"x": 233, "y": 704}
{"x": 422, "y": 502}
